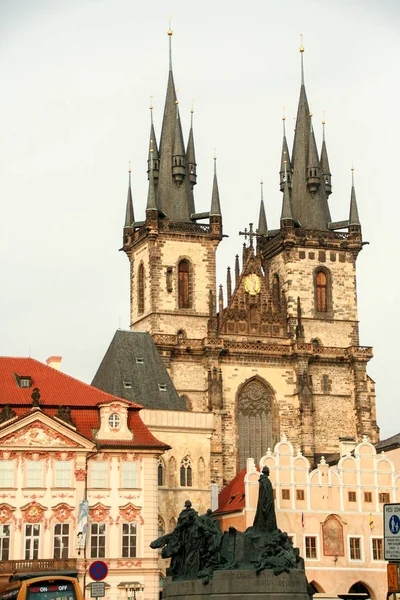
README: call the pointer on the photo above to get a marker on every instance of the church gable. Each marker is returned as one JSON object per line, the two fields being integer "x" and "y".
{"x": 255, "y": 308}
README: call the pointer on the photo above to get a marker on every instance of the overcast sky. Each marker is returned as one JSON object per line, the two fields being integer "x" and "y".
{"x": 76, "y": 76}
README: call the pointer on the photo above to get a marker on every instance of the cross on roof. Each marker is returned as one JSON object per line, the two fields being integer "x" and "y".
{"x": 250, "y": 233}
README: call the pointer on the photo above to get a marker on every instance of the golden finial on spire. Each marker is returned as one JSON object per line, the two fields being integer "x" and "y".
{"x": 311, "y": 113}
{"x": 169, "y": 26}
{"x": 301, "y": 43}
{"x": 294, "y": 119}
{"x": 215, "y": 154}
{"x": 151, "y": 103}
{"x": 151, "y": 145}
{"x": 129, "y": 168}
{"x": 283, "y": 114}
{"x": 323, "y": 118}
{"x": 192, "y": 109}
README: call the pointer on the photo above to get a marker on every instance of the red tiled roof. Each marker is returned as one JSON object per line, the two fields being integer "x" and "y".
{"x": 57, "y": 389}
{"x": 232, "y": 496}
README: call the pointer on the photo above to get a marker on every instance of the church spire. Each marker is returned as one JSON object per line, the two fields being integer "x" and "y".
{"x": 153, "y": 143}
{"x": 151, "y": 194}
{"x": 174, "y": 189}
{"x": 287, "y": 212}
{"x": 285, "y": 158}
{"x": 262, "y": 219}
{"x": 129, "y": 216}
{"x": 309, "y": 201}
{"x": 215, "y": 203}
{"x": 325, "y": 170}
{"x": 354, "y": 221}
{"x": 313, "y": 166}
{"x": 190, "y": 154}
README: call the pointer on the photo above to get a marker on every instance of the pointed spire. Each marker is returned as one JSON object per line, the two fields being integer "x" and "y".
{"x": 221, "y": 300}
{"x": 178, "y": 155}
{"x": 190, "y": 154}
{"x": 215, "y": 203}
{"x": 237, "y": 270}
{"x": 129, "y": 216}
{"x": 287, "y": 213}
{"x": 228, "y": 284}
{"x": 153, "y": 143}
{"x": 354, "y": 221}
{"x": 313, "y": 166}
{"x": 309, "y": 201}
{"x": 151, "y": 195}
{"x": 285, "y": 158}
{"x": 325, "y": 170}
{"x": 262, "y": 219}
{"x": 174, "y": 189}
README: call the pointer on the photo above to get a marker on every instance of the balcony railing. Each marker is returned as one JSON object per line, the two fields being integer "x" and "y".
{"x": 35, "y": 566}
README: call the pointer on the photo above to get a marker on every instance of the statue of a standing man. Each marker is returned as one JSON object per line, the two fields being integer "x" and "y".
{"x": 265, "y": 519}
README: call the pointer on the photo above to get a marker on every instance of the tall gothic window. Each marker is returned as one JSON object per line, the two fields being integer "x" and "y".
{"x": 160, "y": 472}
{"x": 258, "y": 420}
{"x": 322, "y": 287}
{"x": 184, "y": 284}
{"x": 186, "y": 472}
{"x": 141, "y": 289}
{"x": 276, "y": 291}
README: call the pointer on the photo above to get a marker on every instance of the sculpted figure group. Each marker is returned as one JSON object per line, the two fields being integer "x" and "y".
{"x": 197, "y": 547}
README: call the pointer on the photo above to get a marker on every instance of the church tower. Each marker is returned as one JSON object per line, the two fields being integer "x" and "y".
{"x": 279, "y": 352}
{"x": 172, "y": 251}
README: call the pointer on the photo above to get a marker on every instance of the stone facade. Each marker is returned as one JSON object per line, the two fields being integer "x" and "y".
{"x": 279, "y": 352}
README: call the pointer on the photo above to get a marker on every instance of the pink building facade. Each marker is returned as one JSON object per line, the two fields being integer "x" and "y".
{"x": 334, "y": 514}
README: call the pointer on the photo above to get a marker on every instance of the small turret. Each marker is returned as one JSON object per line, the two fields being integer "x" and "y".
{"x": 285, "y": 159}
{"x": 326, "y": 173}
{"x": 313, "y": 176}
{"x": 190, "y": 154}
{"x": 354, "y": 221}
{"x": 262, "y": 219}
{"x": 155, "y": 155}
{"x": 228, "y": 284}
{"x": 287, "y": 213}
{"x": 151, "y": 195}
{"x": 178, "y": 155}
{"x": 129, "y": 215}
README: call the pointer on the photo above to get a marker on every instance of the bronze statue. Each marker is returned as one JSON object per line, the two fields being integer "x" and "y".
{"x": 265, "y": 519}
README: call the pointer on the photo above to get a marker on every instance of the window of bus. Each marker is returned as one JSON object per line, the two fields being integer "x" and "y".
{"x": 97, "y": 540}
{"x": 61, "y": 540}
{"x": 32, "y": 538}
{"x": 54, "y": 589}
{"x": 4, "y": 542}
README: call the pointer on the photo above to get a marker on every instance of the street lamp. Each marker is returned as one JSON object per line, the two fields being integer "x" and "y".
{"x": 134, "y": 587}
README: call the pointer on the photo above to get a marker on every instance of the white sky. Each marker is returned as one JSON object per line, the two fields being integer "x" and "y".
{"x": 76, "y": 76}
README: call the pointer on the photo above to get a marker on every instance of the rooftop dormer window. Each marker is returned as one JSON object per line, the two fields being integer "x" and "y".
{"x": 114, "y": 421}
{"x": 162, "y": 387}
{"x": 139, "y": 360}
{"x": 128, "y": 384}
{"x": 23, "y": 381}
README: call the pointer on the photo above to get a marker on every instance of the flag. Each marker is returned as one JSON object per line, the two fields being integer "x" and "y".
{"x": 302, "y": 519}
{"x": 371, "y": 521}
{"x": 82, "y": 524}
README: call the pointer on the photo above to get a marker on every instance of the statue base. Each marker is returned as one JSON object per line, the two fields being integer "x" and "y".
{"x": 246, "y": 584}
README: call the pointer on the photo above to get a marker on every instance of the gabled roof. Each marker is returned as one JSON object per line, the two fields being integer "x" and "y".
{"x": 390, "y": 443}
{"x": 58, "y": 389}
{"x": 232, "y": 497}
{"x": 132, "y": 368}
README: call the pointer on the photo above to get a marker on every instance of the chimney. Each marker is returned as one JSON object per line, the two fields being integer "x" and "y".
{"x": 54, "y": 362}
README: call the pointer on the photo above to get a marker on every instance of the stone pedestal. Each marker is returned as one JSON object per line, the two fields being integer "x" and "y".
{"x": 228, "y": 585}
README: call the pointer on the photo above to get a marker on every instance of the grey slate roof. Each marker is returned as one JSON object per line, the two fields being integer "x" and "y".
{"x": 389, "y": 444}
{"x": 133, "y": 369}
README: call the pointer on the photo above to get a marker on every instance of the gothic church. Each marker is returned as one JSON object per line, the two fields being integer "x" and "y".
{"x": 279, "y": 352}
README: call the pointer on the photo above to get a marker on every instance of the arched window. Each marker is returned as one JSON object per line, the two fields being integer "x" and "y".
{"x": 161, "y": 527}
{"x": 184, "y": 284}
{"x": 201, "y": 470}
{"x": 321, "y": 282}
{"x": 186, "y": 472}
{"x": 160, "y": 472}
{"x": 257, "y": 421}
{"x": 141, "y": 289}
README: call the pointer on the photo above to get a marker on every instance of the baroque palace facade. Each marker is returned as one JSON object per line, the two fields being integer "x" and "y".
{"x": 280, "y": 353}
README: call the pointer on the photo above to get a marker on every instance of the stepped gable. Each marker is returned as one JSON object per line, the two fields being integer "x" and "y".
{"x": 132, "y": 368}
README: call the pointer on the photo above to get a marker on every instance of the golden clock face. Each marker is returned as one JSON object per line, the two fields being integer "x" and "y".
{"x": 252, "y": 284}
